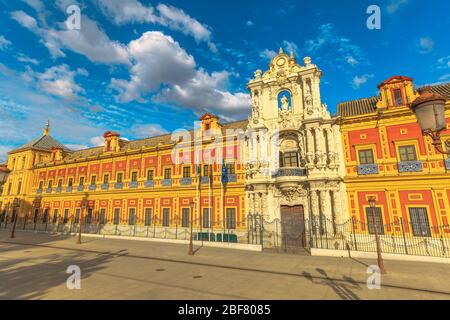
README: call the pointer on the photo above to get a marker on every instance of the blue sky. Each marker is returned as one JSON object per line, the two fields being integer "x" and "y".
{"x": 142, "y": 67}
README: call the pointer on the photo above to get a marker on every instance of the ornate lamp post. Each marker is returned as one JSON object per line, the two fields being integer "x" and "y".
{"x": 84, "y": 203}
{"x": 191, "y": 245}
{"x": 377, "y": 238}
{"x": 16, "y": 204}
{"x": 429, "y": 108}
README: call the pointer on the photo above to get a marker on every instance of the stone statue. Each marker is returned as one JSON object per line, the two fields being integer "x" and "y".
{"x": 284, "y": 103}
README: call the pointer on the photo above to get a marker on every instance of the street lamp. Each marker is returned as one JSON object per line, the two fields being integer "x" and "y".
{"x": 16, "y": 204}
{"x": 429, "y": 109}
{"x": 377, "y": 238}
{"x": 191, "y": 245}
{"x": 84, "y": 204}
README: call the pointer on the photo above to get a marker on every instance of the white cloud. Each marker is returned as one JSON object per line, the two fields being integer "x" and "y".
{"x": 445, "y": 77}
{"x": 25, "y": 59}
{"x": 148, "y": 130}
{"x": 24, "y": 20}
{"x": 290, "y": 47}
{"x": 35, "y": 4}
{"x": 58, "y": 81}
{"x": 4, "y": 149}
{"x": 443, "y": 63}
{"x": 267, "y": 54}
{"x": 394, "y": 5}
{"x": 97, "y": 141}
{"x": 4, "y": 43}
{"x": 133, "y": 11}
{"x": 249, "y": 24}
{"x": 351, "y": 61}
{"x": 358, "y": 81}
{"x": 426, "y": 44}
{"x": 161, "y": 66}
{"x": 75, "y": 147}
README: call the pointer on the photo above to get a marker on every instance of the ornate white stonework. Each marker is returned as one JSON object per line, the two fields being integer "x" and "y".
{"x": 288, "y": 118}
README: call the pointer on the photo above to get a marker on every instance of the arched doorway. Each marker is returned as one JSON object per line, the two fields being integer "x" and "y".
{"x": 293, "y": 230}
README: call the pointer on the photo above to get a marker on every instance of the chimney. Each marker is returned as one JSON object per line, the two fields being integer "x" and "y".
{"x": 112, "y": 142}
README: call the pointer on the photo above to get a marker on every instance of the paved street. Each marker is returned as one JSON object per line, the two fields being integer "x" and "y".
{"x": 33, "y": 266}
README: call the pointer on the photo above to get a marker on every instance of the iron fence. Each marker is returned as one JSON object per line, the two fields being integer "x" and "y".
{"x": 399, "y": 237}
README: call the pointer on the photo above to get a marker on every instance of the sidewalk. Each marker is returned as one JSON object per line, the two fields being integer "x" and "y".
{"x": 33, "y": 265}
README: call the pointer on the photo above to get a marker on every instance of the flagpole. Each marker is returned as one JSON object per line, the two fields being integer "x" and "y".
{"x": 222, "y": 192}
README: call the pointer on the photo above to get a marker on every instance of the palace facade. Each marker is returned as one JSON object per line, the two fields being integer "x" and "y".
{"x": 387, "y": 157}
{"x": 290, "y": 161}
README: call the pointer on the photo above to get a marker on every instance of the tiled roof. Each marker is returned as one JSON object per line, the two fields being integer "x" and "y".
{"x": 148, "y": 142}
{"x": 43, "y": 143}
{"x": 368, "y": 105}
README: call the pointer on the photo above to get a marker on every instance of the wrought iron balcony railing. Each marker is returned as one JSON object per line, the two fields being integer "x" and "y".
{"x": 104, "y": 186}
{"x": 186, "y": 181}
{"x": 290, "y": 172}
{"x": 204, "y": 180}
{"x": 118, "y": 185}
{"x": 92, "y": 187}
{"x": 48, "y": 190}
{"x": 39, "y": 191}
{"x": 80, "y": 188}
{"x": 133, "y": 184}
{"x": 366, "y": 169}
{"x": 69, "y": 189}
{"x": 149, "y": 184}
{"x": 232, "y": 178}
{"x": 166, "y": 182}
{"x": 447, "y": 163}
{"x": 58, "y": 190}
{"x": 410, "y": 166}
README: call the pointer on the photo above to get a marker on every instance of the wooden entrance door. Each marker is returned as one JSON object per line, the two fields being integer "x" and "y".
{"x": 293, "y": 227}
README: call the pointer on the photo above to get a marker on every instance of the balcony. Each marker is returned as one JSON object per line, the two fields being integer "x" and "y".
{"x": 104, "y": 186}
{"x": 232, "y": 178}
{"x": 80, "y": 188}
{"x": 366, "y": 169}
{"x": 92, "y": 187}
{"x": 204, "y": 180}
{"x": 118, "y": 185}
{"x": 447, "y": 163}
{"x": 59, "y": 190}
{"x": 166, "y": 182}
{"x": 410, "y": 166}
{"x": 149, "y": 183}
{"x": 290, "y": 172}
{"x": 185, "y": 181}
{"x": 48, "y": 190}
{"x": 69, "y": 189}
{"x": 39, "y": 191}
{"x": 133, "y": 185}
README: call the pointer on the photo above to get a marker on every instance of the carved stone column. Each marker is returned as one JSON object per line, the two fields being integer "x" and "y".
{"x": 314, "y": 204}
{"x": 319, "y": 156}
{"x": 310, "y": 147}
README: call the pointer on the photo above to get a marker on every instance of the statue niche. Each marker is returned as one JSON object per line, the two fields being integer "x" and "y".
{"x": 284, "y": 109}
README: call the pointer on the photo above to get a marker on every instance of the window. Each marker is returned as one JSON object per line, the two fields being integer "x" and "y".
{"x": 419, "y": 222}
{"x": 70, "y": 182}
{"x": 374, "y": 218}
{"x": 9, "y": 188}
{"x": 290, "y": 159}
{"x": 148, "y": 216}
{"x": 231, "y": 218}
{"x": 230, "y": 168}
{"x": 185, "y": 213}
{"x": 66, "y": 216}
{"x": 207, "y": 170}
{"x": 19, "y": 187}
{"x": 186, "y": 172}
{"x": 77, "y": 215}
{"x": 41, "y": 185}
{"x": 102, "y": 216}
{"x": 134, "y": 176}
{"x": 167, "y": 173}
{"x": 89, "y": 216}
{"x": 206, "y": 217}
{"x": 50, "y": 184}
{"x": 207, "y": 126}
{"x": 119, "y": 177}
{"x": 166, "y": 217}
{"x": 55, "y": 215}
{"x": 93, "y": 180}
{"x": 407, "y": 153}
{"x": 59, "y": 183}
{"x": 366, "y": 156}
{"x": 131, "y": 216}
{"x": 81, "y": 181}
{"x": 116, "y": 215}
{"x": 149, "y": 175}
{"x": 398, "y": 99}
{"x": 106, "y": 179}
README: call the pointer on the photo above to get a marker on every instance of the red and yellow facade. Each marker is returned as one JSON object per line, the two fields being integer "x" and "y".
{"x": 387, "y": 157}
{"x": 129, "y": 176}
